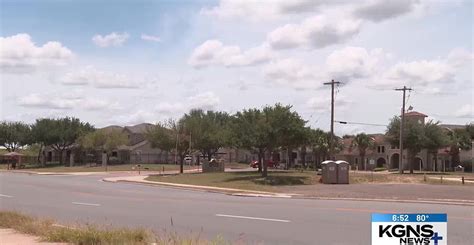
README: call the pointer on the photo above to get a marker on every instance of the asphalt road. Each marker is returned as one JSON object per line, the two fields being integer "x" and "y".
{"x": 253, "y": 220}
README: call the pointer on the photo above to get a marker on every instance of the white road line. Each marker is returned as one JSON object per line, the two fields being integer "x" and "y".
{"x": 1, "y": 195}
{"x": 254, "y": 218}
{"x": 86, "y": 204}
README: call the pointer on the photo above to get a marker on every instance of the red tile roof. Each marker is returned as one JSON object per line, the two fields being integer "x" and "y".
{"x": 415, "y": 113}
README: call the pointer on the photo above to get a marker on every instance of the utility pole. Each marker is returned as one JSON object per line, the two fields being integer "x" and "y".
{"x": 331, "y": 142}
{"x": 402, "y": 122}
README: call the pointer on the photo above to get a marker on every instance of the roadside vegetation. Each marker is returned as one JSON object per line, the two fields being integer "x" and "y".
{"x": 46, "y": 230}
{"x": 261, "y": 131}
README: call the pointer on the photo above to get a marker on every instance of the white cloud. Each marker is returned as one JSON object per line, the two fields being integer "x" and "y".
{"x": 242, "y": 9}
{"x": 459, "y": 57}
{"x": 214, "y": 52}
{"x": 421, "y": 73}
{"x": 379, "y": 10}
{"x": 314, "y": 32}
{"x": 265, "y": 10}
{"x": 170, "y": 108}
{"x": 47, "y": 102}
{"x": 322, "y": 104}
{"x": 94, "y": 104}
{"x": 66, "y": 101}
{"x": 373, "y": 10}
{"x": 205, "y": 101}
{"x": 353, "y": 62}
{"x": 99, "y": 79}
{"x": 18, "y": 53}
{"x": 112, "y": 39}
{"x": 150, "y": 38}
{"x": 466, "y": 111}
{"x": 292, "y": 72}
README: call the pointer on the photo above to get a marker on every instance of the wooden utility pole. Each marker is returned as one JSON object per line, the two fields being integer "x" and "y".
{"x": 331, "y": 141}
{"x": 402, "y": 122}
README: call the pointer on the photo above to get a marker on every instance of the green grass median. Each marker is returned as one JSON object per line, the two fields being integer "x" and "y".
{"x": 243, "y": 180}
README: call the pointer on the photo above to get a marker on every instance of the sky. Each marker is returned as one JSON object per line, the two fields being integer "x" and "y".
{"x": 126, "y": 62}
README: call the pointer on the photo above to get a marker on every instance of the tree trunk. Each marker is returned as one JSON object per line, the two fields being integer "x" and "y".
{"x": 260, "y": 160}
{"x": 363, "y": 163}
{"x": 265, "y": 166}
{"x": 40, "y": 152}
{"x": 181, "y": 163}
{"x": 435, "y": 156}
{"x": 303, "y": 157}
{"x": 60, "y": 157}
{"x": 411, "y": 157}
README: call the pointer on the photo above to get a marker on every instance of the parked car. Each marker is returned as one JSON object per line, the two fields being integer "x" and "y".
{"x": 270, "y": 164}
{"x": 188, "y": 159}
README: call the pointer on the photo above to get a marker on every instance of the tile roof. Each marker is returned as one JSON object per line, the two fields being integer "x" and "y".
{"x": 415, "y": 113}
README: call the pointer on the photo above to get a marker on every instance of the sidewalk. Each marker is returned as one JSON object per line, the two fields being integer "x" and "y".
{"x": 11, "y": 237}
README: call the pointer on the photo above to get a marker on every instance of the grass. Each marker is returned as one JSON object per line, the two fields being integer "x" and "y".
{"x": 47, "y": 231}
{"x": 277, "y": 179}
{"x": 243, "y": 180}
{"x": 99, "y": 168}
{"x": 415, "y": 178}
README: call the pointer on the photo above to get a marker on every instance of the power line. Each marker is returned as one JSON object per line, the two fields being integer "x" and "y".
{"x": 360, "y": 123}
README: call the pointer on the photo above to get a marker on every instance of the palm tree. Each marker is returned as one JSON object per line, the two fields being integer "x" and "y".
{"x": 363, "y": 142}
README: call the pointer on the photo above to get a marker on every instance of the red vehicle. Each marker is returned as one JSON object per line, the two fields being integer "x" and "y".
{"x": 270, "y": 164}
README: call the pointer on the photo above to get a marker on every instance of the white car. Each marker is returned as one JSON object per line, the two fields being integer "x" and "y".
{"x": 188, "y": 159}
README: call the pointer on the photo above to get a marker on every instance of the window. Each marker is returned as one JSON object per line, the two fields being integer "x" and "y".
{"x": 383, "y": 149}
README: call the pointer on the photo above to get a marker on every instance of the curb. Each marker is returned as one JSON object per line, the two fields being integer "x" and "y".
{"x": 227, "y": 191}
{"x": 421, "y": 201}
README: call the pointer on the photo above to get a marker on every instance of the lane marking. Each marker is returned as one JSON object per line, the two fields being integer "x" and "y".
{"x": 86, "y": 204}
{"x": 252, "y": 218}
{"x": 1, "y": 195}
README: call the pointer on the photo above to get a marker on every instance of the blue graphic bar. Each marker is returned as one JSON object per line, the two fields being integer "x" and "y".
{"x": 413, "y": 217}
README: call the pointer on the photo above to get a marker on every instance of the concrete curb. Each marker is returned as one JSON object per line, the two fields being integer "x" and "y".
{"x": 227, "y": 191}
{"x": 421, "y": 201}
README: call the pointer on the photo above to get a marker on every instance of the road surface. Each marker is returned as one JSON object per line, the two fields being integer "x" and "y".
{"x": 253, "y": 220}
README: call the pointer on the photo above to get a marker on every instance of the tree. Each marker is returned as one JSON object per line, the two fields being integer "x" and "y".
{"x": 287, "y": 129}
{"x": 40, "y": 134}
{"x": 459, "y": 139}
{"x": 268, "y": 129}
{"x": 103, "y": 140}
{"x": 14, "y": 135}
{"x": 363, "y": 142}
{"x": 60, "y": 134}
{"x": 168, "y": 136}
{"x": 249, "y": 131}
{"x": 434, "y": 139}
{"x": 319, "y": 143}
{"x": 414, "y": 139}
{"x": 208, "y": 130}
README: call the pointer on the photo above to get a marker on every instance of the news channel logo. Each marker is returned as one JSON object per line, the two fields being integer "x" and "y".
{"x": 409, "y": 229}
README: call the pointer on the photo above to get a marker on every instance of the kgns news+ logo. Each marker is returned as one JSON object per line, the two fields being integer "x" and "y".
{"x": 409, "y": 229}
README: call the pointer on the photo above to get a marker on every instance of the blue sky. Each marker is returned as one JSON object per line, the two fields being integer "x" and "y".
{"x": 125, "y": 62}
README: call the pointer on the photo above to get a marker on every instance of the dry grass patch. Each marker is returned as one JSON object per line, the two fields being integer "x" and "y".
{"x": 47, "y": 231}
